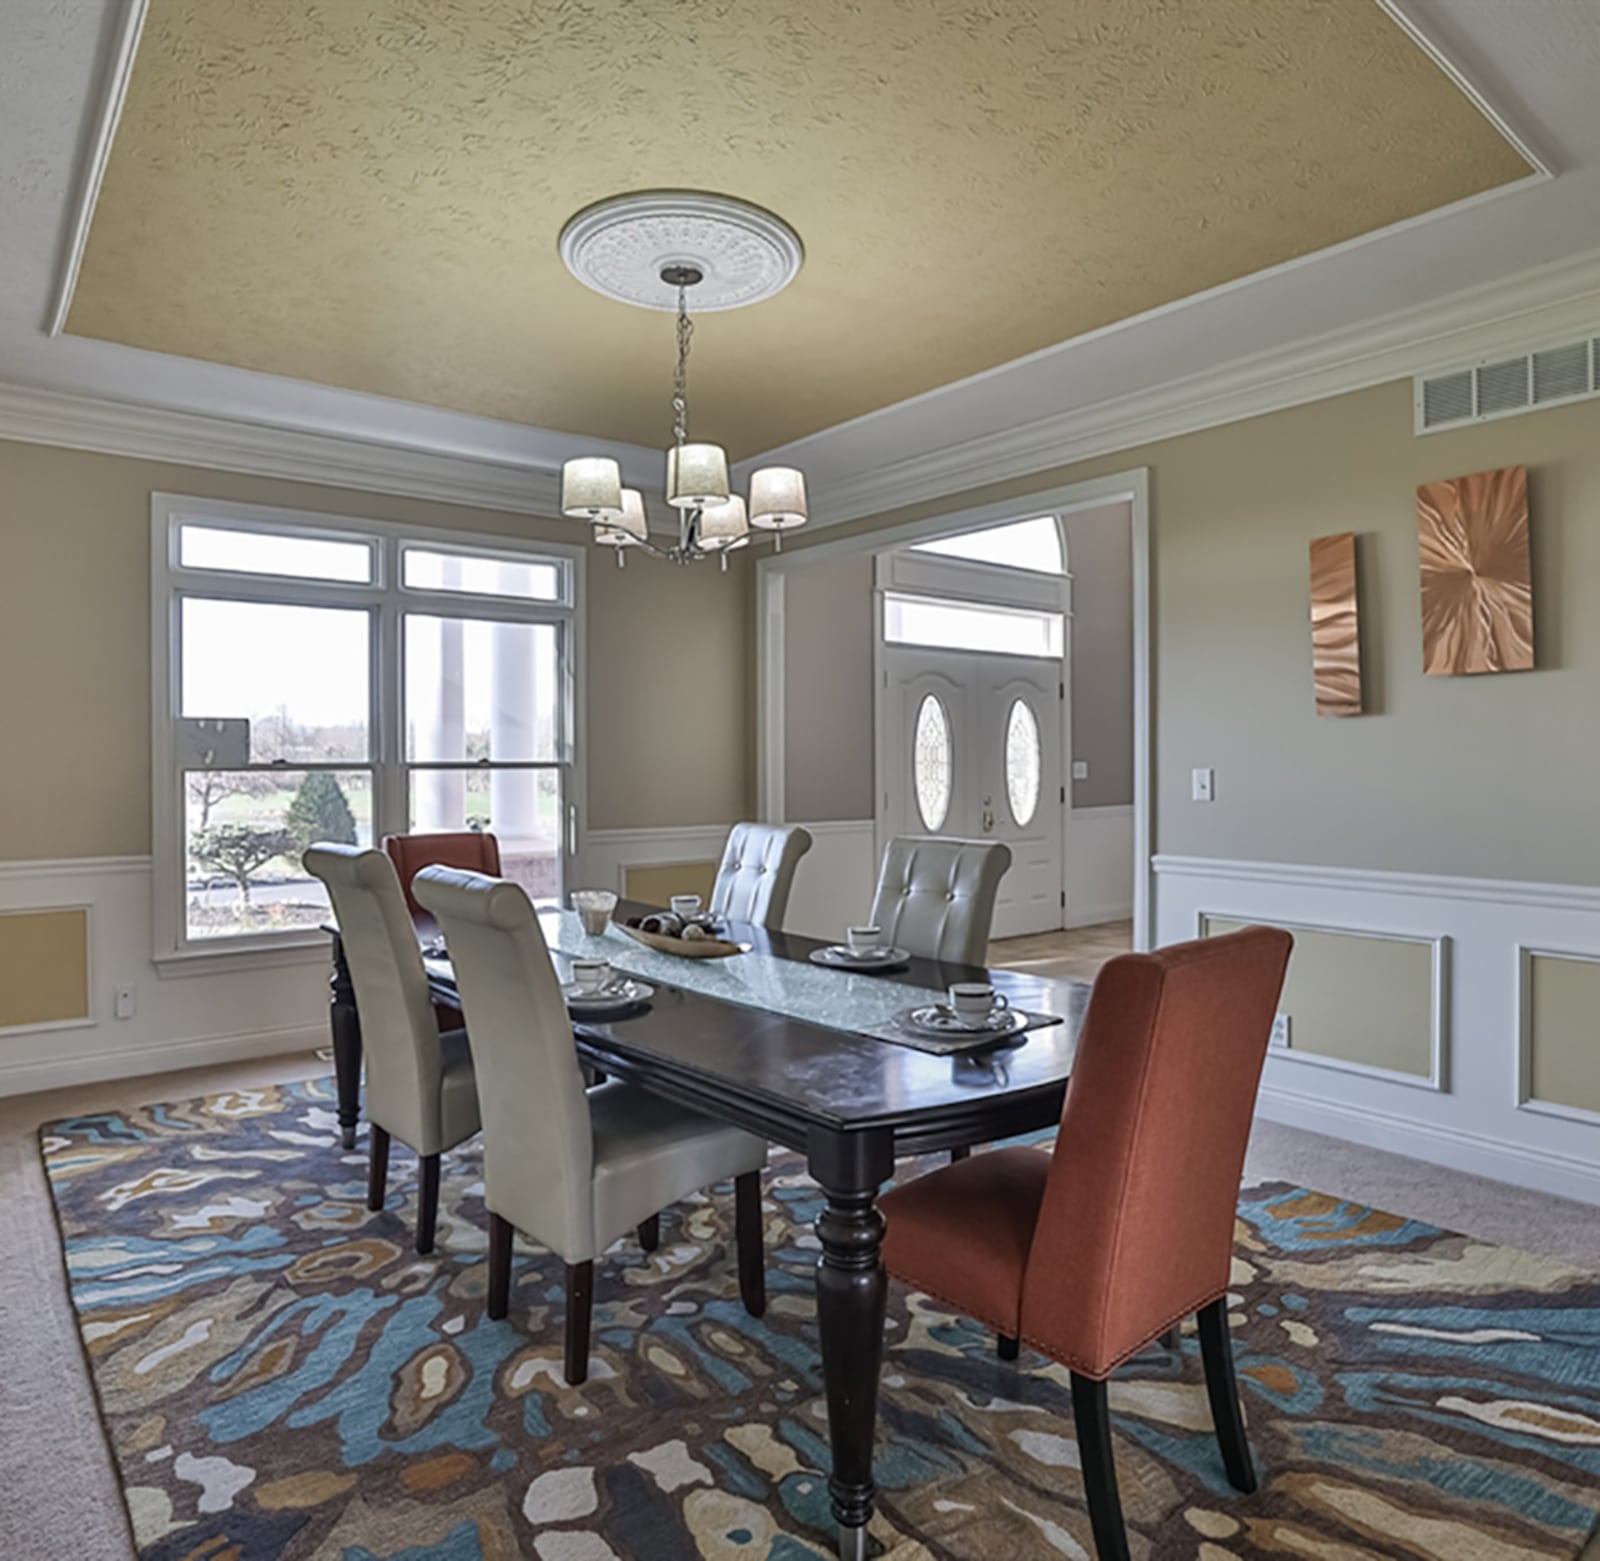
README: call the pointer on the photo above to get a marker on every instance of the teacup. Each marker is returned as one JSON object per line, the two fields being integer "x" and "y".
{"x": 975, "y": 1002}
{"x": 685, "y": 906}
{"x": 594, "y": 908}
{"x": 591, "y": 976}
{"x": 863, "y": 940}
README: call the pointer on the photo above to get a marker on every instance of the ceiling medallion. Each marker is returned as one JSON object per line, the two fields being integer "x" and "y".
{"x": 650, "y": 250}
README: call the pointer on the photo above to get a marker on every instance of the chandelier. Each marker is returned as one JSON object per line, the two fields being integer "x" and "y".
{"x": 650, "y": 250}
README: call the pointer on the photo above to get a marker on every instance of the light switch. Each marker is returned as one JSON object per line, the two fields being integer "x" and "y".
{"x": 1080, "y": 769}
{"x": 1204, "y": 785}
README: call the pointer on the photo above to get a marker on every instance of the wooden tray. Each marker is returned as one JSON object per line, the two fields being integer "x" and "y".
{"x": 685, "y": 948}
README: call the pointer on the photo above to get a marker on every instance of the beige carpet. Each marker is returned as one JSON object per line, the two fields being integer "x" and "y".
{"x": 58, "y": 1494}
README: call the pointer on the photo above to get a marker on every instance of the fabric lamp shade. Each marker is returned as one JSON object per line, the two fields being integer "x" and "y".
{"x": 629, "y": 528}
{"x": 777, "y": 498}
{"x": 723, "y": 525}
{"x": 697, "y": 475}
{"x": 591, "y": 488}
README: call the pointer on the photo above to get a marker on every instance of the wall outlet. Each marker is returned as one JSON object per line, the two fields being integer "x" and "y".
{"x": 1080, "y": 769}
{"x": 125, "y": 1005}
{"x": 1205, "y": 783}
{"x": 1280, "y": 1030}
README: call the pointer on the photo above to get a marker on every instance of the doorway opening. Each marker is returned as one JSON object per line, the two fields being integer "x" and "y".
{"x": 989, "y": 727}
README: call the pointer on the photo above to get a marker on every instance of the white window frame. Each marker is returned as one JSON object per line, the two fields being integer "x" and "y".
{"x": 387, "y": 601}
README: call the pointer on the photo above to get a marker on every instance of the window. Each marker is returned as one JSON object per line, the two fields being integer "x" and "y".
{"x": 340, "y": 680}
{"x": 1022, "y": 762}
{"x": 953, "y": 625}
{"x": 930, "y": 762}
{"x": 1019, "y": 544}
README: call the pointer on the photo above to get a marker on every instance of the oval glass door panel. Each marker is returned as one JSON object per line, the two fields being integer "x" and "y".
{"x": 1022, "y": 761}
{"x": 930, "y": 762}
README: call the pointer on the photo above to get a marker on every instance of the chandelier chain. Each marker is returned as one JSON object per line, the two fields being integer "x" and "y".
{"x": 680, "y": 377}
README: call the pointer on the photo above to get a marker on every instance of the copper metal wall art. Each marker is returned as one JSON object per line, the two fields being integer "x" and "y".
{"x": 1477, "y": 588}
{"x": 1335, "y": 637}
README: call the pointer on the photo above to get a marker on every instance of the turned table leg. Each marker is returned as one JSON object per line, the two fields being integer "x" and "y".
{"x": 852, "y": 1291}
{"x": 346, "y": 1025}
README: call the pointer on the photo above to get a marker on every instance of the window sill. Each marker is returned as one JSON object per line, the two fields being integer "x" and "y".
{"x": 315, "y": 950}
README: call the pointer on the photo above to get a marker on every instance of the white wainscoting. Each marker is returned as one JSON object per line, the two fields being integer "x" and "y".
{"x": 1099, "y": 864}
{"x": 1478, "y": 1122}
{"x": 834, "y": 882}
{"x": 180, "y": 1022}
{"x": 608, "y": 853}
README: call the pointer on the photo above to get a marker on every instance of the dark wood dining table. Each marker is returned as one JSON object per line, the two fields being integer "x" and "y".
{"x": 850, "y": 1103}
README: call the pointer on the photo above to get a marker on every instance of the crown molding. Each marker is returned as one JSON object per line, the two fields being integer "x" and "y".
{"x": 1476, "y": 323}
{"x": 78, "y": 422}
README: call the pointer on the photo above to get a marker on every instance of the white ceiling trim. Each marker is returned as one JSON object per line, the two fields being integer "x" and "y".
{"x": 1404, "y": 16}
{"x": 1476, "y": 323}
{"x": 77, "y": 422}
{"x": 1479, "y": 322}
{"x": 112, "y": 95}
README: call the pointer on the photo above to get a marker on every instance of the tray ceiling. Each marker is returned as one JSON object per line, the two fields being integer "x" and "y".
{"x": 369, "y": 196}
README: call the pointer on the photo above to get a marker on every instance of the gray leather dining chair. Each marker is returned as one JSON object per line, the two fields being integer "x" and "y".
{"x": 571, "y": 1168}
{"x": 757, "y": 872}
{"x": 935, "y": 897}
{"x": 420, "y": 1084}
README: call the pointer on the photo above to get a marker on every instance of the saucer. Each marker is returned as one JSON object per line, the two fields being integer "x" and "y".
{"x": 936, "y": 1021}
{"x": 842, "y": 958}
{"x": 621, "y": 993}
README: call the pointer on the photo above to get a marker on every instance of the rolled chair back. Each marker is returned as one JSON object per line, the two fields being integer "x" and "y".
{"x": 1136, "y": 1227}
{"x": 472, "y": 850}
{"x": 757, "y": 872}
{"x": 935, "y": 897}
{"x": 538, "y": 1146}
{"x": 400, "y": 1038}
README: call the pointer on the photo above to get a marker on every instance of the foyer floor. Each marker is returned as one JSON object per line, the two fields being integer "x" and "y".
{"x": 1075, "y": 954}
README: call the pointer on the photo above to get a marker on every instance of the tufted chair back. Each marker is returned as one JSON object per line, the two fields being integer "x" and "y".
{"x": 757, "y": 872}
{"x": 935, "y": 897}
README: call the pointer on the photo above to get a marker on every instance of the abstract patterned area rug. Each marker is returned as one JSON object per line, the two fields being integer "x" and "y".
{"x": 281, "y": 1375}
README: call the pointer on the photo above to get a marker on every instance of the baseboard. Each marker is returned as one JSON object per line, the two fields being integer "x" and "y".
{"x": 1522, "y": 1165}
{"x": 27, "y": 1078}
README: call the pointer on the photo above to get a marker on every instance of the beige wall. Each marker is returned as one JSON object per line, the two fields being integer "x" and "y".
{"x": 1487, "y": 776}
{"x": 1100, "y": 556}
{"x": 669, "y": 734}
{"x": 827, "y": 690}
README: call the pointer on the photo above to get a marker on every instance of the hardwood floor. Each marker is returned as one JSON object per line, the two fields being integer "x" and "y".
{"x": 1072, "y": 955}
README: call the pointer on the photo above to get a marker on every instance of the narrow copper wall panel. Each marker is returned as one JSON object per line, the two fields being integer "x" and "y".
{"x": 1477, "y": 588}
{"x": 1335, "y": 641}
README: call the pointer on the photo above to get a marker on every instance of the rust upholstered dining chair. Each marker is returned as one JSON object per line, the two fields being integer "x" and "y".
{"x": 469, "y": 850}
{"x": 1092, "y": 1250}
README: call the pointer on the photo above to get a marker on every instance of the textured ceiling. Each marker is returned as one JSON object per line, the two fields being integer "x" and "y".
{"x": 367, "y": 193}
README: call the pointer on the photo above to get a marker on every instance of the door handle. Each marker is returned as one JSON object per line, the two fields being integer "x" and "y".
{"x": 988, "y": 815}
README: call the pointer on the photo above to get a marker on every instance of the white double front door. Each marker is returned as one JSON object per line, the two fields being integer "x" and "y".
{"x": 971, "y": 746}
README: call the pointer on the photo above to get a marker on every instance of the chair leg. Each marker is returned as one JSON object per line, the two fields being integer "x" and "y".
{"x": 1172, "y": 1340}
{"x": 964, "y": 1153}
{"x": 752, "y": 1244}
{"x": 1006, "y": 1347}
{"x": 377, "y": 1166}
{"x": 1092, "y": 1416}
{"x": 580, "y": 1304}
{"x": 1216, "y": 1350}
{"x": 650, "y": 1233}
{"x": 427, "y": 1202}
{"x": 501, "y": 1234}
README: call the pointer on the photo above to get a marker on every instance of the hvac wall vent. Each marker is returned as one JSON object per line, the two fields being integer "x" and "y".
{"x": 1540, "y": 377}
